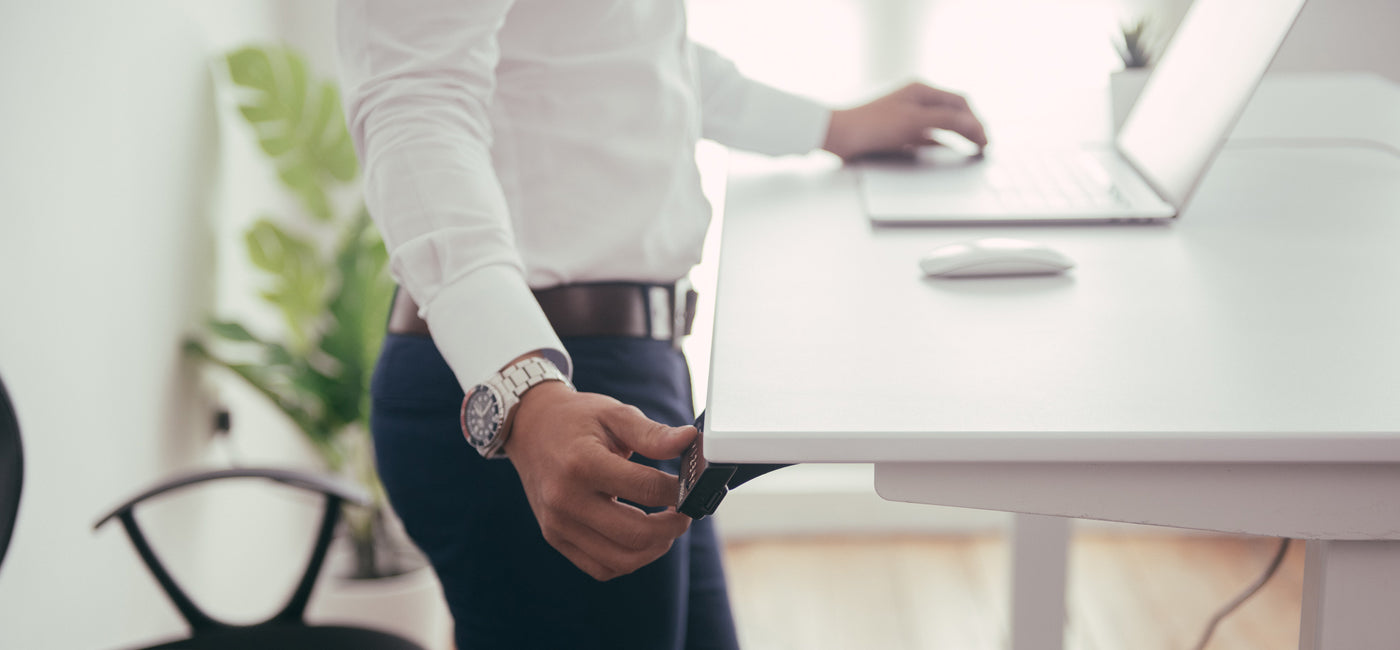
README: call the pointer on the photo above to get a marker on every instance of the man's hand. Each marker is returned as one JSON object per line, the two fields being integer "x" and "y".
{"x": 570, "y": 450}
{"x": 900, "y": 122}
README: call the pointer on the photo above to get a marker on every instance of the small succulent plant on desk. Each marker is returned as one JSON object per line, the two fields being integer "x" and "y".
{"x": 1132, "y": 44}
{"x": 1135, "y": 47}
{"x": 333, "y": 303}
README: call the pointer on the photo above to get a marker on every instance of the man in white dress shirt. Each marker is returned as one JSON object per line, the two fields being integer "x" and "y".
{"x": 531, "y": 165}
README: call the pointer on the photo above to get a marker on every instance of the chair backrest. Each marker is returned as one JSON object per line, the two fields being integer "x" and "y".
{"x": 11, "y": 469}
{"x": 335, "y": 491}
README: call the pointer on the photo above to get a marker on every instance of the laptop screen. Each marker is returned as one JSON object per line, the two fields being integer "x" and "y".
{"x": 1200, "y": 87}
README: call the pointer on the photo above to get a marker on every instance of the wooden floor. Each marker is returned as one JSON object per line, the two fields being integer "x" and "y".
{"x": 1127, "y": 592}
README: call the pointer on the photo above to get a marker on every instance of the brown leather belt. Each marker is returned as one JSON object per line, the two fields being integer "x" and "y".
{"x": 657, "y": 311}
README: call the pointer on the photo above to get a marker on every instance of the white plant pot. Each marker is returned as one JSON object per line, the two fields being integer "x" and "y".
{"x": 1124, "y": 86}
{"x": 409, "y": 605}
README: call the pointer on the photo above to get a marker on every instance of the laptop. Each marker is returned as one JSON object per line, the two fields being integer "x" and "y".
{"x": 1196, "y": 93}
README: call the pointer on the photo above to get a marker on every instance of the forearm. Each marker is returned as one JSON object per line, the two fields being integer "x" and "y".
{"x": 417, "y": 82}
{"x": 742, "y": 113}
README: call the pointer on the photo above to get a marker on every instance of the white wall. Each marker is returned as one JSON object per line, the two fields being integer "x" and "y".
{"x": 125, "y": 182}
{"x": 1336, "y": 35}
{"x": 1329, "y": 36}
{"x": 104, "y": 255}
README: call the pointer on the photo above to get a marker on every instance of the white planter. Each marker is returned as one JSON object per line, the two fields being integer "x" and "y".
{"x": 409, "y": 605}
{"x": 1124, "y": 86}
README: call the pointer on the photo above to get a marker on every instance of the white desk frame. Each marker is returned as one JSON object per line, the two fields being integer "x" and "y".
{"x": 1236, "y": 371}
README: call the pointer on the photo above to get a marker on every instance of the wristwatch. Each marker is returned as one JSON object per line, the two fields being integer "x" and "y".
{"x": 488, "y": 407}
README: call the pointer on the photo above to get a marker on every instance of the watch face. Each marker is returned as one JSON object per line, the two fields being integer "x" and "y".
{"x": 481, "y": 416}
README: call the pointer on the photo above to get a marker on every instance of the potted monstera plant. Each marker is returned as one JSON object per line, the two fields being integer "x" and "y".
{"x": 1134, "y": 44}
{"x": 324, "y": 273}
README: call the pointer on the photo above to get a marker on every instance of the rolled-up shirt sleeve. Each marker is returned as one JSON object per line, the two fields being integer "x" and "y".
{"x": 417, "y": 79}
{"x": 742, "y": 113}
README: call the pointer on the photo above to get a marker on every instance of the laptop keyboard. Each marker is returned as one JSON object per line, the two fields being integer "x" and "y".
{"x": 1052, "y": 181}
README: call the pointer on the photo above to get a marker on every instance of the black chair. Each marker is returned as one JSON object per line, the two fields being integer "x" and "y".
{"x": 11, "y": 470}
{"x": 287, "y": 630}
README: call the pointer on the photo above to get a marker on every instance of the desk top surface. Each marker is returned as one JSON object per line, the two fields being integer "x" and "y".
{"x": 1263, "y": 325}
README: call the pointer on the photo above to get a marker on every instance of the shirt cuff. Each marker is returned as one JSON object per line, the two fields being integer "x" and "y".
{"x": 781, "y": 123}
{"x": 485, "y": 320}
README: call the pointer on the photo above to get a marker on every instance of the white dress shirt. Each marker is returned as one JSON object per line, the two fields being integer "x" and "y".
{"x": 510, "y": 145}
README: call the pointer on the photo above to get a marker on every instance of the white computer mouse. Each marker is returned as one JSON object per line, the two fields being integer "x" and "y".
{"x": 994, "y": 256}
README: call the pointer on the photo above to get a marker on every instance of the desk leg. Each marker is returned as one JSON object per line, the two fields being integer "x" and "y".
{"x": 1351, "y": 595}
{"x": 1039, "y": 561}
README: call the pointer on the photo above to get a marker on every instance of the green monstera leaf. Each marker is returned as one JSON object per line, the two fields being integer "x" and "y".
{"x": 326, "y": 275}
{"x": 298, "y": 278}
{"x": 358, "y": 308}
{"x": 298, "y": 122}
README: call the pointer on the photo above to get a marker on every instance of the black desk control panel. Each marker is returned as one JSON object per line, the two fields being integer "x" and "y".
{"x": 705, "y": 484}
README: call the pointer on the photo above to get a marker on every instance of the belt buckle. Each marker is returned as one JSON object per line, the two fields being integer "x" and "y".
{"x": 682, "y": 308}
{"x": 668, "y": 308}
{"x": 659, "y": 312}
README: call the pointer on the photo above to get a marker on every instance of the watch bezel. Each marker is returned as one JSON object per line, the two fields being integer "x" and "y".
{"x": 484, "y": 440}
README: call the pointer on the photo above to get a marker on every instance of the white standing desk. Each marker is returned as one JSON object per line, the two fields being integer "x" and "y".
{"x": 1235, "y": 371}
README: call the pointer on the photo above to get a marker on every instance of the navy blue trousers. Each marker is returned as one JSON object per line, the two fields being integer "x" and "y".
{"x": 506, "y": 587}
